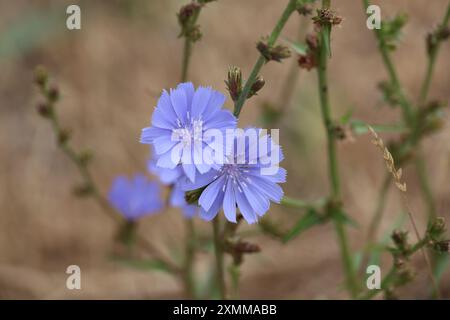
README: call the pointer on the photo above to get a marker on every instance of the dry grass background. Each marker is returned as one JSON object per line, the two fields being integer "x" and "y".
{"x": 110, "y": 74}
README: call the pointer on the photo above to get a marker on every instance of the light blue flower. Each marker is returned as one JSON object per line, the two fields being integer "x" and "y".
{"x": 135, "y": 197}
{"x": 247, "y": 181}
{"x": 180, "y": 125}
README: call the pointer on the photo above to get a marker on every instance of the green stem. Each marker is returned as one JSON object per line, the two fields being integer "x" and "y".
{"x": 218, "y": 249}
{"x": 404, "y": 103}
{"x": 188, "y": 278}
{"x": 332, "y": 157}
{"x": 376, "y": 220}
{"x": 431, "y": 63}
{"x": 290, "y": 8}
{"x": 187, "y": 50}
{"x": 425, "y": 185}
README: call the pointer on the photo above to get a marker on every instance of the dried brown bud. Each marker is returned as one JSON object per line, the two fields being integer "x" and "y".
{"x": 85, "y": 157}
{"x": 326, "y": 17}
{"x": 53, "y": 93}
{"x": 304, "y": 9}
{"x": 276, "y": 53}
{"x": 44, "y": 109}
{"x": 442, "y": 246}
{"x": 63, "y": 136}
{"x": 307, "y": 61}
{"x": 256, "y": 86}
{"x": 400, "y": 239}
{"x": 234, "y": 82}
{"x": 188, "y": 11}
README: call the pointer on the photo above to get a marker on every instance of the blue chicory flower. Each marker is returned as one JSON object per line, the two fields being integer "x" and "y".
{"x": 248, "y": 180}
{"x": 180, "y": 125}
{"x": 135, "y": 197}
{"x": 173, "y": 177}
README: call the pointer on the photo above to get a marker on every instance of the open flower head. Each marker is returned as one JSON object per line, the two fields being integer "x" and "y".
{"x": 248, "y": 180}
{"x": 181, "y": 128}
{"x": 135, "y": 197}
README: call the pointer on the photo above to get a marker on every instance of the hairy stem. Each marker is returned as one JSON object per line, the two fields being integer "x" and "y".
{"x": 290, "y": 8}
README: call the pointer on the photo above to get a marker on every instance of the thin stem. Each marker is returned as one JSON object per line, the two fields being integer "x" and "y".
{"x": 290, "y": 8}
{"x": 188, "y": 277}
{"x": 424, "y": 254}
{"x": 218, "y": 249}
{"x": 332, "y": 158}
{"x": 431, "y": 63}
{"x": 425, "y": 185}
{"x": 376, "y": 219}
{"x": 408, "y": 114}
{"x": 187, "y": 50}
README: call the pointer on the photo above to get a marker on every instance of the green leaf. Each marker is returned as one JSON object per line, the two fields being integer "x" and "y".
{"x": 343, "y": 217}
{"x": 310, "y": 219}
{"x": 346, "y": 117}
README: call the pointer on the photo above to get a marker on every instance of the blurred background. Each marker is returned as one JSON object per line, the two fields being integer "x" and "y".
{"x": 110, "y": 74}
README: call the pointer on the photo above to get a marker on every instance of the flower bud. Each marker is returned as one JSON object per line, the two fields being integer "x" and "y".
{"x": 63, "y": 136}
{"x": 277, "y": 53}
{"x": 442, "y": 246}
{"x": 437, "y": 226}
{"x": 85, "y": 157}
{"x": 44, "y": 109}
{"x": 53, "y": 93}
{"x": 40, "y": 76}
{"x": 234, "y": 82}
{"x": 307, "y": 61}
{"x": 326, "y": 17}
{"x": 192, "y": 196}
{"x": 256, "y": 86}
{"x": 188, "y": 11}
{"x": 304, "y": 9}
{"x": 400, "y": 239}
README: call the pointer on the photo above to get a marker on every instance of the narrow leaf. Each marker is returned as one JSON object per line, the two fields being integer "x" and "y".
{"x": 311, "y": 218}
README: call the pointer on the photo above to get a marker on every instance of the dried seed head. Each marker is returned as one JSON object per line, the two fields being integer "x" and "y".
{"x": 389, "y": 160}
